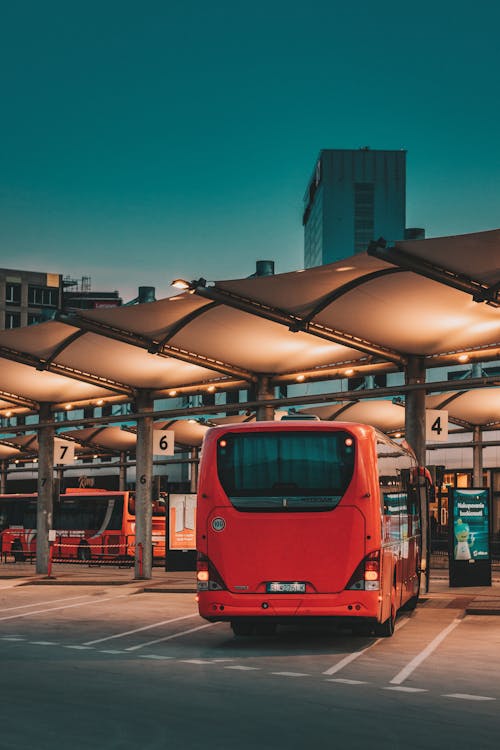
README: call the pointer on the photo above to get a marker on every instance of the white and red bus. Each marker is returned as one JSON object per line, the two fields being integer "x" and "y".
{"x": 89, "y": 524}
{"x": 306, "y": 519}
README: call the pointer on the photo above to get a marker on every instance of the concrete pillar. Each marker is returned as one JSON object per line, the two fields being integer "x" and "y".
{"x": 193, "y": 471}
{"x": 477, "y": 457}
{"x": 45, "y": 489}
{"x": 415, "y": 436}
{"x": 122, "y": 482}
{"x": 265, "y": 391}
{"x": 143, "y": 486}
{"x": 3, "y": 477}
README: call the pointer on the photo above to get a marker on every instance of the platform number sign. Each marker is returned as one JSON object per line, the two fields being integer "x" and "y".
{"x": 64, "y": 451}
{"x": 436, "y": 425}
{"x": 163, "y": 442}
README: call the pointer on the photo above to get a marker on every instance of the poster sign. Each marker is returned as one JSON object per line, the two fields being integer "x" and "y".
{"x": 436, "y": 425}
{"x": 64, "y": 451}
{"x": 163, "y": 442}
{"x": 182, "y": 522}
{"x": 469, "y": 537}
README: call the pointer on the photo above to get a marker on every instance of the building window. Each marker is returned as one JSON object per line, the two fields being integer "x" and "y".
{"x": 12, "y": 320}
{"x": 42, "y": 296}
{"x": 364, "y": 215}
{"x": 13, "y": 294}
{"x": 33, "y": 318}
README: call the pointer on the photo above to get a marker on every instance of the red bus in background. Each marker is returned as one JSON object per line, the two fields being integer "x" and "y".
{"x": 90, "y": 524}
{"x": 305, "y": 520}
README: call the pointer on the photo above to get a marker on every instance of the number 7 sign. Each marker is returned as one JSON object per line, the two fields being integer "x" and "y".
{"x": 64, "y": 451}
{"x": 436, "y": 425}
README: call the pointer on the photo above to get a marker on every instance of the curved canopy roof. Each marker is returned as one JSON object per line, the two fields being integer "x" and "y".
{"x": 364, "y": 312}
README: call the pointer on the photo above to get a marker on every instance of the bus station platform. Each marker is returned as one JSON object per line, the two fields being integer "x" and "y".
{"x": 474, "y": 600}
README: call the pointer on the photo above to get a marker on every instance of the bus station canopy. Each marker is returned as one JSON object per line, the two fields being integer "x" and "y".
{"x": 437, "y": 299}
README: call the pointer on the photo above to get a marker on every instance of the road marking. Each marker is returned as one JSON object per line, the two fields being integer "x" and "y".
{"x": 80, "y": 648}
{"x": 170, "y": 637}
{"x": 196, "y": 661}
{"x": 66, "y": 606}
{"x": 43, "y": 643}
{"x": 347, "y": 682}
{"x": 351, "y": 657}
{"x": 242, "y": 667}
{"x": 407, "y": 689}
{"x": 422, "y": 656}
{"x": 13, "y": 638}
{"x": 466, "y": 697}
{"x": 53, "y": 601}
{"x": 152, "y": 656}
{"x": 291, "y": 674}
{"x": 111, "y": 651}
{"x": 138, "y": 630}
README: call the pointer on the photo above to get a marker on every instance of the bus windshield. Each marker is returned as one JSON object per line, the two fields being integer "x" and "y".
{"x": 285, "y": 471}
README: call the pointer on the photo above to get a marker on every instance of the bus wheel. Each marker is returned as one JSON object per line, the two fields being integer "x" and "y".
{"x": 17, "y": 550}
{"x": 265, "y": 628}
{"x": 83, "y": 552}
{"x": 386, "y": 629}
{"x": 240, "y": 627}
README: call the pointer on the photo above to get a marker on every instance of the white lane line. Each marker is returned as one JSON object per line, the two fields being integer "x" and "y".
{"x": 80, "y": 648}
{"x": 422, "y": 656}
{"x": 13, "y": 638}
{"x": 39, "y": 604}
{"x": 138, "y": 630}
{"x": 43, "y": 643}
{"x": 347, "y": 682}
{"x": 170, "y": 637}
{"x": 291, "y": 674}
{"x": 352, "y": 657}
{"x": 196, "y": 661}
{"x": 66, "y": 606}
{"x": 466, "y": 697}
{"x": 110, "y": 651}
{"x": 153, "y": 656}
{"x": 402, "y": 689}
{"x": 242, "y": 667}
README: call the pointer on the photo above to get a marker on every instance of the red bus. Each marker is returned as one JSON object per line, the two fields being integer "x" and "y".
{"x": 305, "y": 520}
{"x": 89, "y": 525}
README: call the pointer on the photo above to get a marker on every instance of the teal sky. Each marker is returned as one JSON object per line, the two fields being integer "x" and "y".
{"x": 141, "y": 141}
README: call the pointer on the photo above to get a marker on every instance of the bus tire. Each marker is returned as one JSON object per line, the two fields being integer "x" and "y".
{"x": 386, "y": 629}
{"x": 83, "y": 552}
{"x": 241, "y": 627}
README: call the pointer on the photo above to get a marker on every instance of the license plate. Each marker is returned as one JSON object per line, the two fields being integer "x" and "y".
{"x": 285, "y": 587}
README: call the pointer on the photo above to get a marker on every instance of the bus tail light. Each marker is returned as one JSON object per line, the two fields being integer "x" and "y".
{"x": 366, "y": 577}
{"x": 208, "y": 577}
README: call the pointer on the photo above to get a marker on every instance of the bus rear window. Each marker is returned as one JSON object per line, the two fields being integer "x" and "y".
{"x": 285, "y": 471}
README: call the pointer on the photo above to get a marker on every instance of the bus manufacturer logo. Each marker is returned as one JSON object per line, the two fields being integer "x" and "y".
{"x": 218, "y": 524}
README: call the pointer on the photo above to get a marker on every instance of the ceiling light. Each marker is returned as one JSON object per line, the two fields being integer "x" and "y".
{"x": 300, "y": 378}
{"x": 463, "y": 358}
{"x": 349, "y": 372}
{"x": 172, "y": 393}
{"x": 180, "y": 284}
{"x": 68, "y": 406}
{"x": 211, "y": 388}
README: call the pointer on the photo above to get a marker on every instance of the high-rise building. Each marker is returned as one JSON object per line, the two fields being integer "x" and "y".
{"x": 28, "y": 297}
{"x": 353, "y": 197}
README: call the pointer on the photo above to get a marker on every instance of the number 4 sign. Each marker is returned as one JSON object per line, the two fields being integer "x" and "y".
{"x": 163, "y": 442}
{"x": 436, "y": 425}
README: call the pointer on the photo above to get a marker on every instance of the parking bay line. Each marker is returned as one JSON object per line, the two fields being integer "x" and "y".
{"x": 65, "y": 606}
{"x": 53, "y": 601}
{"x": 417, "y": 660}
{"x": 138, "y": 630}
{"x": 171, "y": 637}
{"x": 351, "y": 657}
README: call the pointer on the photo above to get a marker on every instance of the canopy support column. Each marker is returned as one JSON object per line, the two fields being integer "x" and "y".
{"x": 3, "y": 478}
{"x": 45, "y": 489}
{"x": 143, "y": 487}
{"x": 415, "y": 436}
{"x": 265, "y": 392}
{"x": 193, "y": 471}
{"x": 477, "y": 457}
{"x": 122, "y": 481}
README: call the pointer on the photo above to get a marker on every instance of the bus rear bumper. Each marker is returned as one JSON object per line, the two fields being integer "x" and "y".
{"x": 222, "y": 606}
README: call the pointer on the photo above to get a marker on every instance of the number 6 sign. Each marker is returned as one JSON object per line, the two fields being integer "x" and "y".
{"x": 163, "y": 442}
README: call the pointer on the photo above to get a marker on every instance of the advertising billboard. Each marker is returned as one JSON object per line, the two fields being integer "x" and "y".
{"x": 469, "y": 537}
